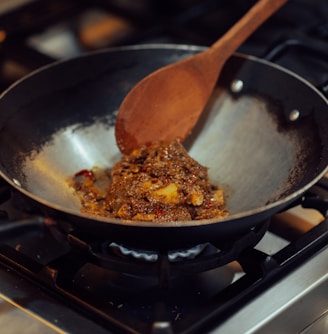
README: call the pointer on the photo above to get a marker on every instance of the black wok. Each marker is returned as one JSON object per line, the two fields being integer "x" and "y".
{"x": 265, "y": 142}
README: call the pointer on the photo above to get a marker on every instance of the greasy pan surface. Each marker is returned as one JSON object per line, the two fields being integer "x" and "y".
{"x": 60, "y": 120}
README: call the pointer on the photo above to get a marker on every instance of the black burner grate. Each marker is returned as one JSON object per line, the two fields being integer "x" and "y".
{"x": 130, "y": 296}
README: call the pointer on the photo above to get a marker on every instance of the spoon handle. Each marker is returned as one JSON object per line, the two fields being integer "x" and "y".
{"x": 239, "y": 32}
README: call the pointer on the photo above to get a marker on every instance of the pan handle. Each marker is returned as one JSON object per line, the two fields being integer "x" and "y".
{"x": 317, "y": 48}
{"x": 18, "y": 227}
{"x": 316, "y": 197}
{"x": 316, "y": 203}
{"x": 323, "y": 87}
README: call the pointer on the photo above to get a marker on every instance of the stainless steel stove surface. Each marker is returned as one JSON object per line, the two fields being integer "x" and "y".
{"x": 55, "y": 282}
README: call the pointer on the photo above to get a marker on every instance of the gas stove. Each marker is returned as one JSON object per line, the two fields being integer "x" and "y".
{"x": 68, "y": 282}
{"x": 54, "y": 279}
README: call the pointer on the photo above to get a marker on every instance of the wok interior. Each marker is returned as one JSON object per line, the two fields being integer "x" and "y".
{"x": 251, "y": 162}
{"x": 69, "y": 127}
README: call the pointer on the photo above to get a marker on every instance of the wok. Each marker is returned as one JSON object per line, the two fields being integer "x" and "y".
{"x": 263, "y": 136}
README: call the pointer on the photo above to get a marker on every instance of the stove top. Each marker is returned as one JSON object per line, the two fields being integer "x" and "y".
{"x": 53, "y": 282}
{"x": 65, "y": 279}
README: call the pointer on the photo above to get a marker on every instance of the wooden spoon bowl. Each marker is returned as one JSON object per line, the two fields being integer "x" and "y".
{"x": 166, "y": 104}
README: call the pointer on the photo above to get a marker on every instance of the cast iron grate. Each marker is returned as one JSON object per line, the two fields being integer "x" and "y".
{"x": 187, "y": 297}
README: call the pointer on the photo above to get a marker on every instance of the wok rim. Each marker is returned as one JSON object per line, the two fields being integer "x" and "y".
{"x": 279, "y": 204}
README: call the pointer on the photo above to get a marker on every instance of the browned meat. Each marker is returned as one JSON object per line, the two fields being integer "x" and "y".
{"x": 157, "y": 183}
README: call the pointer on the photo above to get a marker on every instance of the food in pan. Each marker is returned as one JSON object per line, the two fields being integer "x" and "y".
{"x": 159, "y": 183}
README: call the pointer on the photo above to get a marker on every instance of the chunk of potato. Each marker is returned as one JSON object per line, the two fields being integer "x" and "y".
{"x": 218, "y": 196}
{"x": 197, "y": 197}
{"x": 144, "y": 217}
{"x": 167, "y": 194}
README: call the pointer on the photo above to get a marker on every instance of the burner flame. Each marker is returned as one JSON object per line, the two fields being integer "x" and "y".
{"x": 152, "y": 256}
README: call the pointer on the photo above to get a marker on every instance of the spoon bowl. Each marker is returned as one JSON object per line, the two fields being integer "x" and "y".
{"x": 167, "y": 104}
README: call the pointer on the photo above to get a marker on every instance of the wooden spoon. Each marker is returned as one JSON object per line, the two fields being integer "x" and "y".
{"x": 166, "y": 104}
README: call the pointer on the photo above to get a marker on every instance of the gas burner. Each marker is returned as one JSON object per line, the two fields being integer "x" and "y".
{"x": 200, "y": 258}
{"x": 127, "y": 294}
{"x": 150, "y": 256}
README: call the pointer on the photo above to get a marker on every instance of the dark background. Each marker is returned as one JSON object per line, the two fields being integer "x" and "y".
{"x": 38, "y": 32}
